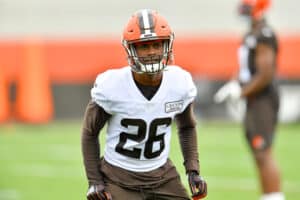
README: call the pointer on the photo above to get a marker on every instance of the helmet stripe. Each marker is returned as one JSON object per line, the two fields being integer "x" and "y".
{"x": 146, "y": 22}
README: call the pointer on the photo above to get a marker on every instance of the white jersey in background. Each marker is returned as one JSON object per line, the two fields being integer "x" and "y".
{"x": 139, "y": 131}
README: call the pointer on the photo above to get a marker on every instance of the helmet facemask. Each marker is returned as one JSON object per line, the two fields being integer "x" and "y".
{"x": 150, "y": 63}
{"x": 245, "y": 11}
{"x": 254, "y": 9}
{"x": 147, "y": 25}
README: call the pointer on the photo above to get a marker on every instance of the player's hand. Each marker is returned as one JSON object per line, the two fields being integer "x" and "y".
{"x": 97, "y": 192}
{"x": 230, "y": 91}
{"x": 197, "y": 185}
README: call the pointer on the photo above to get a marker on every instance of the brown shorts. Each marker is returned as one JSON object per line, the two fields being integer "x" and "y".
{"x": 261, "y": 119}
{"x": 161, "y": 184}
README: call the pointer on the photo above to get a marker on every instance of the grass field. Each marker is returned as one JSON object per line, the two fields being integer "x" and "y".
{"x": 44, "y": 162}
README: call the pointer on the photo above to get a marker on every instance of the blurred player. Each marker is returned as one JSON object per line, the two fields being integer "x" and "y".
{"x": 255, "y": 83}
{"x": 139, "y": 103}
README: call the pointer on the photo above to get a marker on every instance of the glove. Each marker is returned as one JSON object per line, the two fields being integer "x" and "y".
{"x": 230, "y": 91}
{"x": 197, "y": 185}
{"x": 97, "y": 192}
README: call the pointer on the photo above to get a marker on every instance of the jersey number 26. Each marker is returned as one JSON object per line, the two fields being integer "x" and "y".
{"x": 140, "y": 136}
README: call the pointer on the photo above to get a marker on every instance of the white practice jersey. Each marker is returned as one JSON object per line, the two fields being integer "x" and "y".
{"x": 139, "y": 131}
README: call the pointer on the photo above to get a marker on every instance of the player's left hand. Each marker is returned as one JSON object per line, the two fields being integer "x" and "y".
{"x": 230, "y": 91}
{"x": 97, "y": 192}
{"x": 197, "y": 185}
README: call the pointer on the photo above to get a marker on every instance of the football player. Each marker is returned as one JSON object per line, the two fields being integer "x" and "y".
{"x": 138, "y": 103}
{"x": 256, "y": 84}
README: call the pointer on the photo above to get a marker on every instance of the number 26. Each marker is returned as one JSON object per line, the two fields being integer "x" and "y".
{"x": 141, "y": 134}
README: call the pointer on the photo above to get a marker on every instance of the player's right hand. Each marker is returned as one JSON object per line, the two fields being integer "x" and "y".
{"x": 230, "y": 91}
{"x": 97, "y": 192}
{"x": 197, "y": 185}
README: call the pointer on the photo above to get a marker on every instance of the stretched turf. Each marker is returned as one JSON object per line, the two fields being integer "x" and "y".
{"x": 45, "y": 162}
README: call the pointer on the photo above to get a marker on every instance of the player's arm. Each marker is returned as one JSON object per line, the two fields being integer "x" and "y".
{"x": 186, "y": 124}
{"x": 94, "y": 120}
{"x": 264, "y": 61}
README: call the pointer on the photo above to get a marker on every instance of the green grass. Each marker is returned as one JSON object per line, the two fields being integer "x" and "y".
{"x": 45, "y": 162}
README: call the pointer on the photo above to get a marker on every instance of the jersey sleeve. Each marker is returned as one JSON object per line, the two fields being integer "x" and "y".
{"x": 267, "y": 36}
{"x": 99, "y": 93}
{"x": 191, "y": 90}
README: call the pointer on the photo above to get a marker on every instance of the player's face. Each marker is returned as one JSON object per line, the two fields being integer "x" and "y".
{"x": 245, "y": 14}
{"x": 150, "y": 52}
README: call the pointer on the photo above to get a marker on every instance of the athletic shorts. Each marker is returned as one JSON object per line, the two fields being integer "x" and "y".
{"x": 261, "y": 119}
{"x": 163, "y": 183}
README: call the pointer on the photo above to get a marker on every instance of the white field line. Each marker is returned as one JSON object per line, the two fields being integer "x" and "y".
{"x": 46, "y": 171}
{"x": 9, "y": 194}
{"x": 231, "y": 183}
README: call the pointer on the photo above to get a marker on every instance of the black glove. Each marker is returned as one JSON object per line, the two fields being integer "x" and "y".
{"x": 97, "y": 192}
{"x": 197, "y": 185}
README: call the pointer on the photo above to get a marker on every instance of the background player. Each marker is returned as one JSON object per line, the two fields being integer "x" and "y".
{"x": 256, "y": 83}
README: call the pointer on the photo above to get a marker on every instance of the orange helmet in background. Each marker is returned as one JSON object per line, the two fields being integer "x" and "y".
{"x": 254, "y": 8}
{"x": 147, "y": 25}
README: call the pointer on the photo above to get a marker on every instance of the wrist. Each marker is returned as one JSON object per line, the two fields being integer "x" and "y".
{"x": 191, "y": 165}
{"x": 96, "y": 183}
{"x": 193, "y": 172}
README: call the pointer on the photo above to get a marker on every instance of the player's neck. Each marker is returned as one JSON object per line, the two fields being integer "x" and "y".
{"x": 148, "y": 79}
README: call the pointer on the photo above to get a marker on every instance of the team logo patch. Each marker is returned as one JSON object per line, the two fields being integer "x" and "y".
{"x": 258, "y": 142}
{"x": 173, "y": 106}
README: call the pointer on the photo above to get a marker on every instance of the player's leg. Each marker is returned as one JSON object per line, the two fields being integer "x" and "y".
{"x": 268, "y": 171}
{"x": 171, "y": 190}
{"x": 261, "y": 119}
{"x": 165, "y": 183}
{"x": 120, "y": 193}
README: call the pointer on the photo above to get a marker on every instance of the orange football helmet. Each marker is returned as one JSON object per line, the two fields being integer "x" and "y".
{"x": 254, "y": 8}
{"x": 147, "y": 25}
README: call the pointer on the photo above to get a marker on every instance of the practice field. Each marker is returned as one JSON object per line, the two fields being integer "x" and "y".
{"x": 45, "y": 162}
